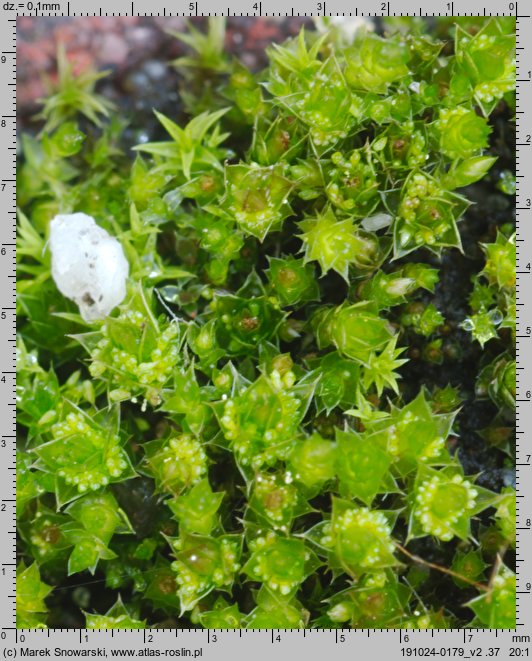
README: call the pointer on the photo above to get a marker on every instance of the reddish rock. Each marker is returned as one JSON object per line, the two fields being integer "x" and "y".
{"x": 124, "y": 43}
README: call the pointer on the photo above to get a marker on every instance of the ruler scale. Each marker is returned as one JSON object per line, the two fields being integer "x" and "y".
{"x": 261, "y": 644}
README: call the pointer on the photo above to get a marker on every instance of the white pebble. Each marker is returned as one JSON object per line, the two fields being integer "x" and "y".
{"x": 88, "y": 265}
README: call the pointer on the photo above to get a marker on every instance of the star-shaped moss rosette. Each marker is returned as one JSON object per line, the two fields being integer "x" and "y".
{"x": 276, "y": 611}
{"x": 469, "y": 564}
{"x": 412, "y": 435}
{"x": 352, "y": 182}
{"x": 275, "y": 501}
{"x": 484, "y": 66}
{"x": 193, "y": 149}
{"x": 242, "y": 323}
{"x": 375, "y": 63}
{"x": 282, "y": 564}
{"x": 423, "y": 319}
{"x": 497, "y": 380}
{"x": 73, "y": 94}
{"x": 339, "y": 378}
{"x": 204, "y": 563}
{"x": 185, "y": 402}
{"x": 222, "y": 616}
{"x": 313, "y": 90}
{"x": 500, "y": 262}
{"x": 134, "y": 353}
{"x": 494, "y": 289}
{"x": 443, "y": 502}
{"x": 427, "y": 216}
{"x": 256, "y": 197}
{"x": 356, "y": 330}
{"x": 196, "y": 510}
{"x": 85, "y": 452}
{"x": 336, "y": 244}
{"x": 292, "y": 281}
{"x": 462, "y": 133}
{"x": 313, "y": 461}
{"x": 261, "y": 422}
{"x": 359, "y": 538}
{"x": 362, "y": 467}
{"x": 176, "y": 463}
{"x": 45, "y": 535}
{"x": 506, "y": 514}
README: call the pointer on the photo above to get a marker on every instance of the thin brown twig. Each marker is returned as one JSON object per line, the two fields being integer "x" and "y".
{"x": 444, "y": 570}
{"x": 497, "y": 564}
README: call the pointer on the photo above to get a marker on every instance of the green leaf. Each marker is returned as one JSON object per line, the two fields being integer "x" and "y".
{"x": 196, "y": 510}
{"x": 335, "y": 244}
{"x": 464, "y": 173}
{"x": 117, "y": 617}
{"x": 31, "y": 593}
{"x": 443, "y": 503}
{"x": 360, "y": 538}
{"x": 256, "y": 197}
{"x": 373, "y": 63}
{"x": 281, "y": 563}
{"x": 495, "y": 609}
{"x": 361, "y": 466}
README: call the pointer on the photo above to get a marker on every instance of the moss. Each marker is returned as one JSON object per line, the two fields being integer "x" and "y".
{"x": 300, "y": 415}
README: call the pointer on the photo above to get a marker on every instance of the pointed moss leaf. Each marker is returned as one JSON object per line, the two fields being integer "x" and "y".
{"x": 196, "y": 510}
{"x": 117, "y": 617}
{"x": 223, "y": 616}
{"x": 413, "y": 434}
{"x": 31, "y": 593}
{"x": 360, "y": 465}
{"x": 274, "y": 500}
{"x": 466, "y": 172}
{"x": 276, "y": 611}
{"x": 192, "y": 149}
{"x": 242, "y": 323}
{"x": 500, "y": 262}
{"x": 96, "y": 519}
{"x": 379, "y": 600}
{"x": 161, "y": 589}
{"x": 339, "y": 379}
{"x": 505, "y": 516}
{"x": 427, "y": 216}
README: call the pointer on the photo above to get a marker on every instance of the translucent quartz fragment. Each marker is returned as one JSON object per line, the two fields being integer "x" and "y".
{"x": 88, "y": 265}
